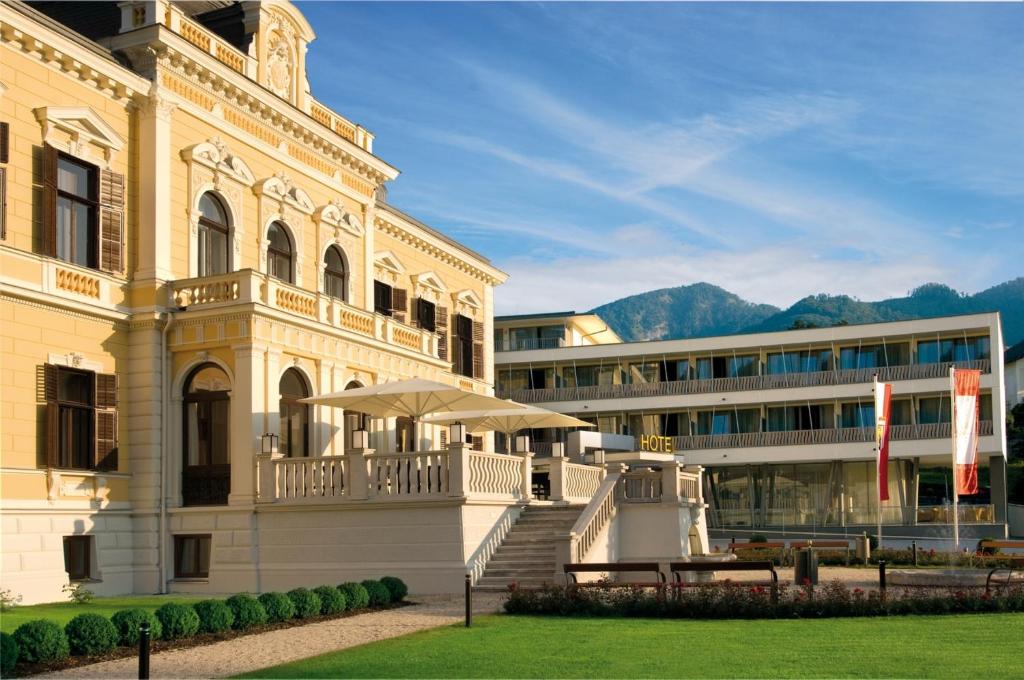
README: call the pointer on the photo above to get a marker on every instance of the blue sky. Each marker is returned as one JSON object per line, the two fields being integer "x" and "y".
{"x": 596, "y": 150}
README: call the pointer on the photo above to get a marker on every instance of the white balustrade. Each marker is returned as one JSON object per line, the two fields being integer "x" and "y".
{"x": 495, "y": 475}
{"x": 422, "y": 474}
{"x": 310, "y": 479}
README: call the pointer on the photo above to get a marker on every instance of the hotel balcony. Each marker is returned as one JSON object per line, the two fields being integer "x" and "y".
{"x": 249, "y": 287}
{"x": 741, "y": 384}
{"x": 525, "y": 344}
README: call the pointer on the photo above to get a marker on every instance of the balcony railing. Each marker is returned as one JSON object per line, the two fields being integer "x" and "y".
{"x": 842, "y": 435}
{"x": 523, "y": 344}
{"x": 251, "y": 287}
{"x": 739, "y": 384}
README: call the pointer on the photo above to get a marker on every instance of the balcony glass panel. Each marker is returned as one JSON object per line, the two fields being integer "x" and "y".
{"x": 729, "y": 422}
{"x": 874, "y": 356}
{"x": 933, "y": 410}
{"x": 805, "y": 417}
{"x": 953, "y": 349}
{"x": 799, "y": 362}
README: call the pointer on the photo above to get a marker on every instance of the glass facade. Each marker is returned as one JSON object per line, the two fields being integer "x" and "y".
{"x": 953, "y": 349}
{"x": 807, "y": 361}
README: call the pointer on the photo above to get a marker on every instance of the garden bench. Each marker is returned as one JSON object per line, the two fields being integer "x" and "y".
{"x": 600, "y": 567}
{"x": 771, "y": 546}
{"x": 1003, "y": 545}
{"x": 679, "y": 568}
{"x": 824, "y": 545}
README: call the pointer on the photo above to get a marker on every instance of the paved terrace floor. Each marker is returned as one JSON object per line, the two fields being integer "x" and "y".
{"x": 252, "y": 652}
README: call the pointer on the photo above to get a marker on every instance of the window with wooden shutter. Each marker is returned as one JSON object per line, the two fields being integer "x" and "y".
{"x": 462, "y": 345}
{"x": 399, "y": 304}
{"x": 382, "y": 298}
{"x": 49, "y": 211}
{"x": 477, "y": 442}
{"x": 442, "y": 333}
{"x": 106, "y": 422}
{"x": 111, "y": 221}
{"x": 425, "y": 314}
{"x": 478, "y": 349}
{"x": 5, "y": 142}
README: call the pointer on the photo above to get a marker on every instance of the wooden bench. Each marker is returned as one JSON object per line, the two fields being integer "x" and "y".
{"x": 824, "y": 545}
{"x": 611, "y": 567}
{"x": 680, "y": 568}
{"x": 1001, "y": 545}
{"x": 780, "y": 546}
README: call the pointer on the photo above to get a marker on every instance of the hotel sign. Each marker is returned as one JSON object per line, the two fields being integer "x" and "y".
{"x": 656, "y": 443}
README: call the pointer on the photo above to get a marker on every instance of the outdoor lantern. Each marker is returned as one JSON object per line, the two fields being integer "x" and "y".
{"x": 270, "y": 442}
{"x": 456, "y": 433}
{"x": 360, "y": 439}
{"x": 599, "y": 457}
{"x": 522, "y": 443}
{"x": 557, "y": 450}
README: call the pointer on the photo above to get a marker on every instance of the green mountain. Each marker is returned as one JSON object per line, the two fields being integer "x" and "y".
{"x": 702, "y": 309}
{"x": 687, "y": 311}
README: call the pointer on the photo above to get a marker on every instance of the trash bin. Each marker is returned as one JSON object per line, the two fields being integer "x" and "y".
{"x": 805, "y": 567}
{"x": 863, "y": 548}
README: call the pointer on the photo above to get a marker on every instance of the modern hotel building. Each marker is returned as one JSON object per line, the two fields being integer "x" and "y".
{"x": 782, "y": 422}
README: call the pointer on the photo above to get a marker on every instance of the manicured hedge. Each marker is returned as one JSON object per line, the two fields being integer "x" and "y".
{"x": 8, "y": 654}
{"x": 355, "y": 594}
{"x": 396, "y": 587}
{"x": 127, "y": 622}
{"x": 331, "y": 600}
{"x": 41, "y": 641}
{"x": 91, "y": 634}
{"x": 177, "y": 620}
{"x": 307, "y": 603}
{"x": 214, "y": 616}
{"x": 735, "y": 601}
{"x": 247, "y": 610}
{"x": 378, "y": 593}
{"x": 279, "y": 607}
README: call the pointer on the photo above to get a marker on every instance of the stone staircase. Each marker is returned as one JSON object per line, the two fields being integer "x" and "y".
{"x": 527, "y": 555}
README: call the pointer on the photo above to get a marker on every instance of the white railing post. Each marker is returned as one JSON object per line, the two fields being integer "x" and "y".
{"x": 670, "y": 482}
{"x": 266, "y": 476}
{"x": 458, "y": 469}
{"x": 526, "y": 482}
{"x": 357, "y": 486}
{"x": 556, "y": 477}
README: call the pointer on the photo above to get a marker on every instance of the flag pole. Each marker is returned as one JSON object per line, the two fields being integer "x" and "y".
{"x": 952, "y": 432}
{"x": 878, "y": 464}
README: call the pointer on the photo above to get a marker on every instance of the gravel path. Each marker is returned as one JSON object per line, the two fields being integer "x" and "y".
{"x": 252, "y": 652}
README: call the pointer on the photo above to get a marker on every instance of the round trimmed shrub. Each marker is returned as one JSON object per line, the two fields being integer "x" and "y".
{"x": 41, "y": 641}
{"x": 279, "y": 607}
{"x": 90, "y": 634}
{"x": 214, "y": 616}
{"x": 396, "y": 587}
{"x": 247, "y": 610}
{"x": 127, "y": 622}
{"x": 331, "y": 600}
{"x": 307, "y": 603}
{"x": 177, "y": 620}
{"x": 378, "y": 592}
{"x": 8, "y": 654}
{"x": 355, "y": 594}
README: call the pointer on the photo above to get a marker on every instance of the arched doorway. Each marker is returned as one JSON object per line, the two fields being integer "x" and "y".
{"x": 206, "y": 419}
{"x": 294, "y": 415}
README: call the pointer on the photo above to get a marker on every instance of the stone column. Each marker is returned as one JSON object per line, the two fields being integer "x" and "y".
{"x": 247, "y": 421}
{"x": 670, "y": 483}
{"x": 556, "y": 478}
{"x": 369, "y": 229}
{"x": 458, "y": 469}
{"x": 154, "y": 207}
{"x": 526, "y": 481}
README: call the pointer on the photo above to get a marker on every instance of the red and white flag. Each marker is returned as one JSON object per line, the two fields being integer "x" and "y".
{"x": 883, "y": 397}
{"x": 966, "y": 404}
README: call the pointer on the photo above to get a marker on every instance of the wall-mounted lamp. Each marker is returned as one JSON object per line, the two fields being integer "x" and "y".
{"x": 360, "y": 439}
{"x": 456, "y": 433}
{"x": 270, "y": 442}
{"x": 558, "y": 450}
{"x": 523, "y": 444}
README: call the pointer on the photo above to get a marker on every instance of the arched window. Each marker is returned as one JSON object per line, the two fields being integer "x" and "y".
{"x": 279, "y": 253}
{"x": 294, "y": 416}
{"x": 354, "y": 420}
{"x": 335, "y": 274}
{"x": 213, "y": 236}
{"x": 206, "y": 471}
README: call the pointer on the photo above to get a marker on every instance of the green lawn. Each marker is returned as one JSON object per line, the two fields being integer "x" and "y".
{"x": 62, "y": 612}
{"x": 975, "y": 645}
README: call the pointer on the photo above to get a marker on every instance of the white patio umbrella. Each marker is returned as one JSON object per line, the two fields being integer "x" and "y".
{"x": 507, "y": 420}
{"x": 413, "y": 398}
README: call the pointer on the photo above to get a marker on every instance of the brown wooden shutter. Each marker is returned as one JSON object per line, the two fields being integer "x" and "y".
{"x": 3, "y": 203}
{"x": 399, "y": 304}
{"x": 444, "y": 437}
{"x": 52, "y": 434}
{"x": 477, "y": 442}
{"x": 478, "y": 349}
{"x": 442, "y": 332}
{"x": 5, "y": 142}
{"x": 49, "y": 211}
{"x": 50, "y": 382}
{"x": 111, "y": 221}
{"x": 106, "y": 440}
{"x": 106, "y": 391}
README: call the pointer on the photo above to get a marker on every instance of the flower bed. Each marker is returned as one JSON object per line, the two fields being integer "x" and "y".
{"x": 735, "y": 601}
{"x": 42, "y": 645}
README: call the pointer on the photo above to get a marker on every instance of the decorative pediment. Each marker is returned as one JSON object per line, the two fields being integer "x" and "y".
{"x": 215, "y": 155}
{"x": 466, "y": 302}
{"x": 280, "y": 188}
{"x": 84, "y": 127}
{"x": 334, "y": 215}
{"x": 428, "y": 284}
{"x": 387, "y": 267}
